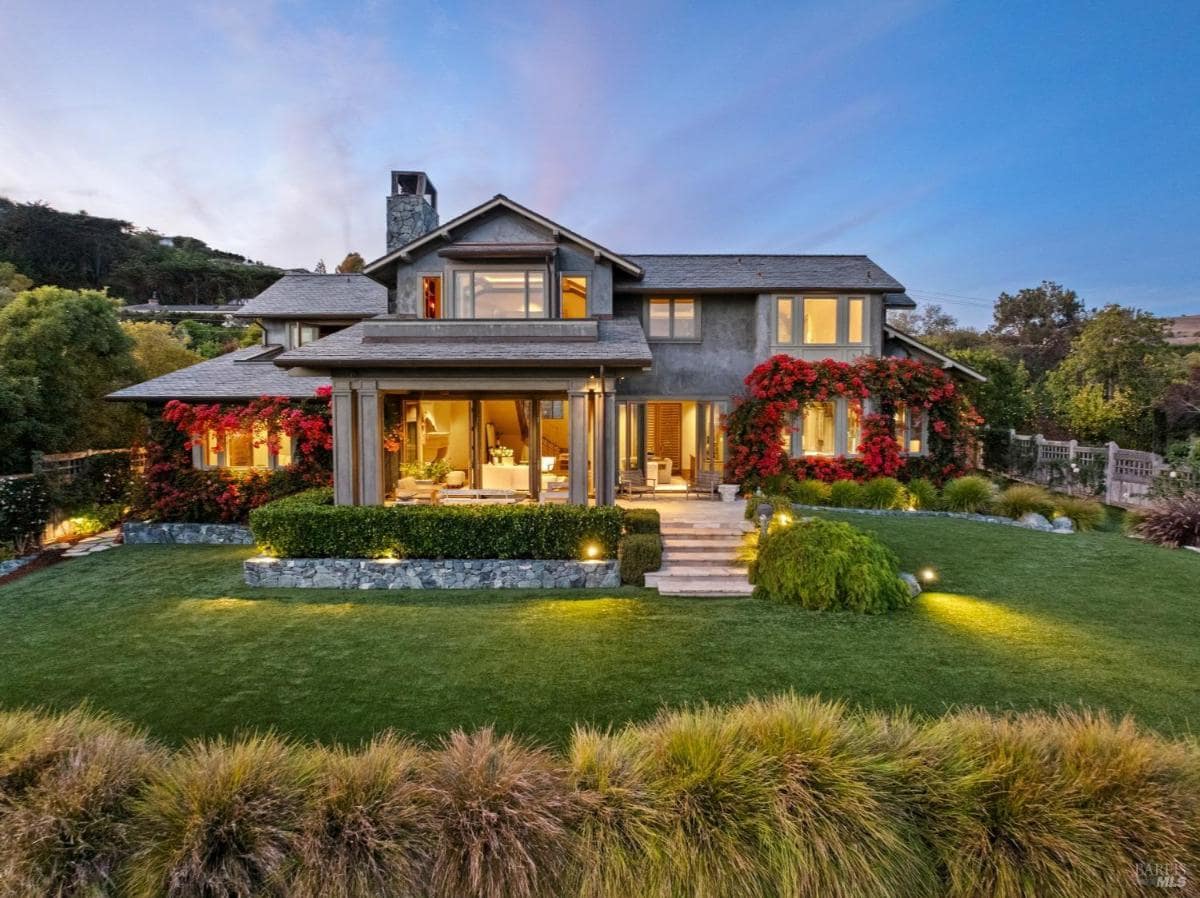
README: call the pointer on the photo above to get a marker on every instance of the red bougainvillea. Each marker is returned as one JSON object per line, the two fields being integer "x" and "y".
{"x": 270, "y": 418}
{"x": 778, "y": 390}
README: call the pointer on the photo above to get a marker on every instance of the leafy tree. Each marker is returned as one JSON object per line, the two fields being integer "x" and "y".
{"x": 12, "y": 282}
{"x": 71, "y": 249}
{"x": 65, "y": 350}
{"x": 156, "y": 349}
{"x": 320, "y": 267}
{"x": 1006, "y": 399}
{"x": 352, "y": 264}
{"x": 932, "y": 319}
{"x": 1181, "y": 400}
{"x": 209, "y": 339}
{"x": 1038, "y": 324}
{"x": 1117, "y": 370}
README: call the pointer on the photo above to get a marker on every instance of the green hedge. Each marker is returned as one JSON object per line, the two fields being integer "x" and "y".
{"x": 642, "y": 520}
{"x": 305, "y": 526}
{"x": 640, "y": 554}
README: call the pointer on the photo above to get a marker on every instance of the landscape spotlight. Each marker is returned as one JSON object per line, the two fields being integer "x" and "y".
{"x": 928, "y": 574}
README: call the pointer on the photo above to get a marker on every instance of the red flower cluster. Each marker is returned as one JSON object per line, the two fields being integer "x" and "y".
{"x": 269, "y": 418}
{"x": 779, "y": 389}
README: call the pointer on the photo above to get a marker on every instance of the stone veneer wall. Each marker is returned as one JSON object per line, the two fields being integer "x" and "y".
{"x": 428, "y": 573}
{"x": 187, "y": 534}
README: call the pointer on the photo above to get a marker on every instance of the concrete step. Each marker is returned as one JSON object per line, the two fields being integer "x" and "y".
{"x": 702, "y": 570}
{"x": 699, "y": 586}
{"x": 714, "y": 542}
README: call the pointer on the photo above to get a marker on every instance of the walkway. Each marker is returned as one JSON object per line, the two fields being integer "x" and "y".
{"x": 701, "y": 538}
{"x": 101, "y": 542}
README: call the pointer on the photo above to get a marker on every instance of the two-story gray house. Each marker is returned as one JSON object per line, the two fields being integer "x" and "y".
{"x": 528, "y": 359}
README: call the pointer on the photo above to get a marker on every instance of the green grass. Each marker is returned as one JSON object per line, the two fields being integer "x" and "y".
{"x": 171, "y": 638}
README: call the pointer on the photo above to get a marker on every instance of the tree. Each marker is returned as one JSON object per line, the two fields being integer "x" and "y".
{"x": 12, "y": 282}
{"x": 930, "y": 320}
{"x": 1181, "y": 400}
{"x": 1115, "y": 374}
{"x": 156, "y": 350}
{"x": 1038, "y": 324}
{"x": 352, "y": 264}
{"x": 68, "y": 350}
{"x": 1006, "y": 399}
{"x": 320, "y": 266}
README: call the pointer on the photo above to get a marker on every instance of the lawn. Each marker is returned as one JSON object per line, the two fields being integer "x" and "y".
{"x": 170, "y": 637}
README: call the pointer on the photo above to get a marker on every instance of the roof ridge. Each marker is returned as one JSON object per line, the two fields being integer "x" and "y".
{"x": 770, "y": 255}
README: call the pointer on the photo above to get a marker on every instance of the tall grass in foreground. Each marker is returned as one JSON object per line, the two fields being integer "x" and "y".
{"x": 787, "y": 797}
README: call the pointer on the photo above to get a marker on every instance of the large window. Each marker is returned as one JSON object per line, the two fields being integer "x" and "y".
{"x": 431, "y": 296}
{"x": 785, "y": 319}
{"x": 854, "y": 323}
{"x": 818, "y": 429}
{"x": 574, "y": 296}
{"x": 820, "y": 320}
{"x": 500, "y": 294}
{"x": 824, "y": 428}
{"x": 673, "y": 319}
{"x": 244, "y": 449}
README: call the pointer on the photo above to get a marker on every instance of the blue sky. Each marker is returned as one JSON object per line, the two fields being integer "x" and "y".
{"x": 969, "y": 148}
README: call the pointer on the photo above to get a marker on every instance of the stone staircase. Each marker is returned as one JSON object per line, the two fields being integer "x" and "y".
{"x": 699, "y": 559}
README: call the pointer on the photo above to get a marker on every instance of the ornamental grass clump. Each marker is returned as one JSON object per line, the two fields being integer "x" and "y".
{"x": 223, "y": 818}
{"x": 971, "y": 494}
{"x": 828, "y": 566}
{"x": 1172, "y": 522}
{"x": 810, "y": 492}
{"x": 846, "y": 494}
{"x": 884, "y": 492}
{"x": 65, "y": 810}
{"x": 504, "y": 813}
{"x": 923, "y": 495}
{"x": 1085, "y": 514}
{"x": 369, "y": 828}
{"x": 1024, "y": 498}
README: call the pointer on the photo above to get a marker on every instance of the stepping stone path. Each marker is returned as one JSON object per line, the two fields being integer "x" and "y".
{"x": 101, "y": 542}
{"x": 700, "y": 548}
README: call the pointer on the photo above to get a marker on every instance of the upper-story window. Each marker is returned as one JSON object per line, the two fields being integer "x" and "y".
{"x": 574, "y": 291}
{"x": 304, "y": 333}
{"x": 504, "y": 293}
{"x": 820, "y": 320}
{"x": 673, "y": 318}
{"x": 431, "y": 296}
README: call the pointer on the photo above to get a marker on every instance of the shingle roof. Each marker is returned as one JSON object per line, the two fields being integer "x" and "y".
{"x": 909, "y": 345}
{"x": 620, "y": 342}
{"x": 746, "y": 272}
{"x": 241, "y": 374}
{"x": 318, "y": 296}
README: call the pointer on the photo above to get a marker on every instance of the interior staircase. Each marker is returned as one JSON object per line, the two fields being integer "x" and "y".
{"x": 699, "y": 557}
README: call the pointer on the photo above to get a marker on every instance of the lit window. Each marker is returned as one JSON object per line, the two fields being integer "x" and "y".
{"x": 673, "y": 319}
{"x": 784, "y": 319}
{"x": 820, "y": 320}
{"x": 853, "y": 429}
{"x": 243, "y": 449}
{"x": 855, "y": 320}
{"x": 284, "y": 457}
{"x": 574, "y": 296}
{"x": 431, "y": 296}
{"x": 500, "y": 294}
{"x": 818, "y": 428}
{"x": 910, "y": 429}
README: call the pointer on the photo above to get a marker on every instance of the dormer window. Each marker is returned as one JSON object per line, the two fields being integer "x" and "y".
{"x": 503, "y": 293}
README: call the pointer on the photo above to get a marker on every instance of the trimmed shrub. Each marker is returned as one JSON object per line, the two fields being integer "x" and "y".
{"x": 777, "y": 502}
{"x": 640, "y": 553}
{"x": 1023, "y": 498}
{"x": 369, "y": 829}
{"x": 1085, "y": 514}
{"x": 65, "y": 807}
{"x": 971, "y": 494}
{"x": 303, "y": 529}
{"x": 846, "y": 494}
{"x": 642, "y": 520}
{"x": 25, "y": 507}
{"x": 810, "y": 492}
{"x": 223, "y": 818}
{"x": 828, "y": 566}
{"x": 505, "y": 813}
{"x": 884, "y": 492}
{"x": 923, "y": 494}
{"x": 1172, "y": 522}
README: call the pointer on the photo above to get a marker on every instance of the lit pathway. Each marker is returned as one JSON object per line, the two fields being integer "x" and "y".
{"x": 101, "y": 542}
{"x": 701, "y": 538}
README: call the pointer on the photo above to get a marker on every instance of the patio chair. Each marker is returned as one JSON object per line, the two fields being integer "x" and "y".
{"x": 633, "y": 484}
{"x": 704, "y": 485}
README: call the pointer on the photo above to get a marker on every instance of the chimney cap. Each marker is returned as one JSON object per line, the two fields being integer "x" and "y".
{"x": 414, "y": 183}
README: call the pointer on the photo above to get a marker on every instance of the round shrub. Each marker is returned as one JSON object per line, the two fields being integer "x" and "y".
{"x": 846, "y": 494}
{"x": 369, "y": 828}
{"x": 223, "y": 818}
{"x": 1023, "y": 498}
{"x": 828, "y": 566}
{"x": 810, "y": 492}
{"x": 923, "y": 494}
{"x": 504, "y": 812}
{"x": 1172, "y": 522}
{"x": 1085, "y": 514}
{"x": 640, "y": 553}
{"x": 884, "y": 492}
{"x": 971, "y": 494}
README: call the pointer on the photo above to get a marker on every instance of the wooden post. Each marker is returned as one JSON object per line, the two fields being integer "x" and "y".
{"x": 370, "y": 443}
{"x": 344, "y": 488}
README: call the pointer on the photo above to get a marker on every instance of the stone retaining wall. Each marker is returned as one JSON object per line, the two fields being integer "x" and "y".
{"x": 187, "y": 534}
{"x": 427, "y": 573}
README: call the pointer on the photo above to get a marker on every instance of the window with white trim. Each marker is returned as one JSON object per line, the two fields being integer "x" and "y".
{"x": 826, "y": 428}
{"x": 820, "y": 320}
{"x": 244, "y": 450}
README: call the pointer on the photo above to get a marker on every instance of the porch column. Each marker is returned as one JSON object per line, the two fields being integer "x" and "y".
{"x": 577, "y": 486}
{"x": 605, "y": 452}
{"x": 370, "y": 445}
{"x": 344, "y": 490}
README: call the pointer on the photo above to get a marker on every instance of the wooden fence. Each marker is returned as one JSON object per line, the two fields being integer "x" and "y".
{"x": 1126, "y": 477}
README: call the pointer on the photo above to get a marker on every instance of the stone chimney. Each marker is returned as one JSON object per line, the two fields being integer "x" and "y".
{"x": 411, "y": 208}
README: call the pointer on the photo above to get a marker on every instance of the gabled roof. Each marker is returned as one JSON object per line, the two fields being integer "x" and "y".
{"x": 744, "y": 272}
{"x": 915, "y": 345}
{"x": 500, "y": 201}
{"x": 241, "y": 374}
{"x": 318, "y": 296}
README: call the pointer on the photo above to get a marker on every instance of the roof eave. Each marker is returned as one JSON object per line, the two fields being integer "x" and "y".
{"x": 947, "y": 361}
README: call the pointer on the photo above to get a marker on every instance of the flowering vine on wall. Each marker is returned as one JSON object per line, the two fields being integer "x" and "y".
{"x": 778, "y": 390}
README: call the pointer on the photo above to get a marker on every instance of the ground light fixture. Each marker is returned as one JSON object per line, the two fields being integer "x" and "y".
{"x": 591, "y": 551}
{"x": 928, "y": 575}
